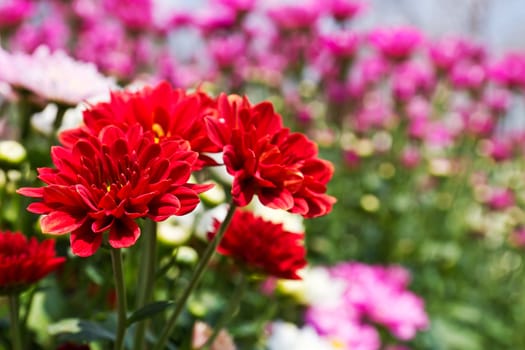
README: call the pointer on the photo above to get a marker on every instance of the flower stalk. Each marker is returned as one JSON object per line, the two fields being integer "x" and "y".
{"x": 146, "y": 277}
{"x": 197, "y": 274}
{"x": 116, "y": 260}
{"x": 14, "y": 322}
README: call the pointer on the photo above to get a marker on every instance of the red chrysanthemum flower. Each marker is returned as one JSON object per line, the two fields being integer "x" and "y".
{"x": 269, "y": 161}
{"x": 106, "y": 181}
{"x": 263, "y": 246}
{"x": 170, "y": 113}
{"x": 24, "y": 262}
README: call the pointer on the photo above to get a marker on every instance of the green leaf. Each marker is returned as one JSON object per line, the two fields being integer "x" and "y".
{"x": 80, "y": 330}
{"x": 149, "y": 310}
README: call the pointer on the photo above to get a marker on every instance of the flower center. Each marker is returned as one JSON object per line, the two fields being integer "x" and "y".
{"x": 159, "y": 131}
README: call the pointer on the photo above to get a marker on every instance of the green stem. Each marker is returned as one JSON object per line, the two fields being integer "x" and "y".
{"x": 197, "y": 274}
{"x": 146, "y": 277}
{"x": 14, "y": 323}
{"x": 25, "y": 316}
{"x": 229, "y": 312}
{"x": 116, "y": 260}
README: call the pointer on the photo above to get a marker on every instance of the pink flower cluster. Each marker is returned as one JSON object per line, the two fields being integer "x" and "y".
{"x": 372, "y": 296}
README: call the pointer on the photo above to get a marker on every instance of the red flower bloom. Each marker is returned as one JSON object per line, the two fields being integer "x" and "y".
{"x": 268, "y": 160}
{"x": 263, "y": 245}
{"x": 105, "y": 182}
{"x": 24, "y": 262}
{"x": 169, "y": 113}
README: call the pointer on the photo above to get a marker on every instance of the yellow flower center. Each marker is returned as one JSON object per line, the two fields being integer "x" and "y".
{"x": 159, "y": 131}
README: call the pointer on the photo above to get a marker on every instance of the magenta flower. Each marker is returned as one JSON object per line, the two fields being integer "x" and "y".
{"x": 343, "y": 10}
{"x": 372, "y": 295}
{"x": 300, "y": 16}
{"x": 499, "y": 149}
{"x": 510, "y": 71}
{"x": 501, "y": 198}
{"x": 14, "y": 12}
{"x": 340, "y": 43}
{"x": 241, "y": 6}
{"x": 228, "y": 51}
{"x": 447, "y": 52}
{"x": 396, "y": 44}
{"x": 412, "y": 79}
{"x": 106, "y": 45}
{"x": 468, "y": 76}
{"x": 134, "y": 14}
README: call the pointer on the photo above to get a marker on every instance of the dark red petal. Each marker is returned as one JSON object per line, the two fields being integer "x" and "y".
{"x": 277, "y": 198}
{"x": 164, "y": 207}
{"x": 124, "y": 233}
{"x": 84, "y": 242}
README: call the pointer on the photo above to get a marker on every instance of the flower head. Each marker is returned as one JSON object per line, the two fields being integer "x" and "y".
{"x": 510, "y": 71}
{"x": 371, "y": 294}
{"x": 136, "y": 14}
{"x": 263, "y": 246}
{"x": 13, "y": 12}
{"x": 289, "y": 17}
{"x": 269, "y": 161}
{"x": 171, "y": 114}
{"x": 288, "y": 336}
{"x": 53, "y": 76}
{"x": 105, "y": 181}
{"x": 396, "y": 44}
{"x": 25, "y": 261}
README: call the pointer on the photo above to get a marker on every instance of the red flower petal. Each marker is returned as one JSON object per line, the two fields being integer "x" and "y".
{"x": 84, "y": 242}
{"x": 59, "y": 222}
{"x": 124, "y": 233}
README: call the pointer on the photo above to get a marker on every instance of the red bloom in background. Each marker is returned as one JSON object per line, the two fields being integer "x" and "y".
{"x": 24, "y": 262}
{"x": 269, "y": 161}
{"x": 106, "y": 181}
{"x": 263, "y": 246}
{"x": 170, "y": 113}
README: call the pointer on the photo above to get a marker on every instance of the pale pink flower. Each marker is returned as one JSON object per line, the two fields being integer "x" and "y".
{"x": 53, "y": 76}
{"x": 201, "y": 333}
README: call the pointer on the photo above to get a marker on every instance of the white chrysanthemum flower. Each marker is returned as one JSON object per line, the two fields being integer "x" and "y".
{"x": 53, "y": 76}
{"x": 291, "y": 222}
{"x": 321, "y": 288}
{"x": 287, "y": 336}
